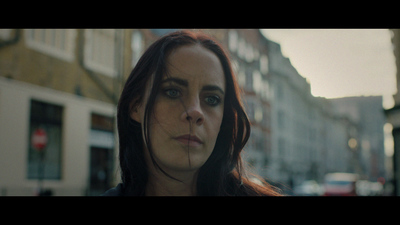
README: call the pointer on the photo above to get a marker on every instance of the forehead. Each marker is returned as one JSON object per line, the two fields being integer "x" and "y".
{"x": 196, "y": 64}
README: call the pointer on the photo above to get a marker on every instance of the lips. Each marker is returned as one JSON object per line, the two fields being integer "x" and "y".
{"x": 189, "y": 140}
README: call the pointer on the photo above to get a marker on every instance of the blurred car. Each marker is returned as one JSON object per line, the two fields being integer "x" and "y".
{"x": 340, "y": 184}
{"x": 308, "y": 188}
{"x": 367, "y": 188}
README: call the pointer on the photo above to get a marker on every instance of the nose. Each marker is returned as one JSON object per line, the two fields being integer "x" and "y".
{"x": 193, "y": 113}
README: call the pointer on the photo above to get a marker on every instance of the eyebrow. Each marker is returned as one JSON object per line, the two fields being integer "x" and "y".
{"x": 213, "y": 88}
{"x": 185, "y": 83}
{"x": 181, "y": 82}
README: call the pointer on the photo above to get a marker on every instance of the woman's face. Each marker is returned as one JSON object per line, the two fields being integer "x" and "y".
{"x": 188, "y": 109}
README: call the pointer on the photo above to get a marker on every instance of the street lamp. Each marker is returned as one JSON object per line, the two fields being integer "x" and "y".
{"x": 352, "y": 144}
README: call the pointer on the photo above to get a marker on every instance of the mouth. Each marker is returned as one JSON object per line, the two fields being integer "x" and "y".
{"x": 189, "y": 140}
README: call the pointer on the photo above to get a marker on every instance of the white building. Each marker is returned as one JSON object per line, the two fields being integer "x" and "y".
{"x": 308, "y": 138}
{"x": 69, "y": 147}
{"x": 249, "y": 58}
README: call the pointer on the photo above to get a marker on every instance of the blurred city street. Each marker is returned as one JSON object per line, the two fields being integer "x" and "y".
{"x": 59, "y": 90}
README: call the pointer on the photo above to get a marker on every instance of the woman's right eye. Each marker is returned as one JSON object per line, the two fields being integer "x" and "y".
{"x": 172, "y": 93}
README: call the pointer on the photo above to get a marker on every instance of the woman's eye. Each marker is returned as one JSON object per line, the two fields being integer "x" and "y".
{"x": 172, "y": 93}
{"x": 212, "y": 100}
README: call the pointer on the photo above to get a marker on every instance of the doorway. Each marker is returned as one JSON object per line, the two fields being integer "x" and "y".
{"x": 101, "y": 163}
{"x": 99, "y": 170}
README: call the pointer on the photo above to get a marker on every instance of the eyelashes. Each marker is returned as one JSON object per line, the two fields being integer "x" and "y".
{"x": 213, "y": 100}
{"x": 175, "y": 93}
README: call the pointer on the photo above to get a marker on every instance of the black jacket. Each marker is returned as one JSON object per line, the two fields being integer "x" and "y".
{"x": 115, "y": 191}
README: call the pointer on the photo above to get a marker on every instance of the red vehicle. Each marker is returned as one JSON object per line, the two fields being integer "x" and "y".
{"x": 340, "y": 184}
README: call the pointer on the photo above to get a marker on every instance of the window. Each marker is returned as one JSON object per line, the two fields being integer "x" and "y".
{"x": 264, "y": 64}
{"x": 101, "y": 153}
{"x": 99, "y": 52}
{"x": 249, "y": 107}
{"x": 257, "y": 82}
{"x": 241, "y": 49}
{"x": 5, "y": 34}
{"x": 281, "y": 119}
{"x": 49, "y": 118}
{"x": 249, "y": 53}
{"x": 279, "y": 91}
{"x": 281, "y": 147}
{"x": 136, "y": 46}
{"x": 249, "y": 79}
{"x": 233, "y": 40}
{"x": 59, "y": 43}
{"x": 235, "y": 66}
{"x": 258, "y": 113}
{"x": 266, "y": 112}
{"x": 241, "y": 78}
{"x": 265, "y": 91}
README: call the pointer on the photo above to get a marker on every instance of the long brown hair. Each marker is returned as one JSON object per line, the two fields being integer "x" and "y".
{"x": 223, "y": 174}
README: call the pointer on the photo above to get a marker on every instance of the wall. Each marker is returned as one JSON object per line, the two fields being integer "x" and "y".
{"x": 15, "y": 99}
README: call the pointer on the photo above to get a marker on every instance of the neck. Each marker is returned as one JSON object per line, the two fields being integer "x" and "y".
{"x": 161, "y": 185}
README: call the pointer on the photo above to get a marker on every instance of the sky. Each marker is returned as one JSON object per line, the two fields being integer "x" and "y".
{"x": 341, "y": 62}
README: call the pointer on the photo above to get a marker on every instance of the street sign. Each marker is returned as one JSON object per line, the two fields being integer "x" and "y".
{"x": 39, "y": 139}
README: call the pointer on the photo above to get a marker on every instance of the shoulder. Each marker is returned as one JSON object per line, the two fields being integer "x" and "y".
{"x": 115, "y": 191}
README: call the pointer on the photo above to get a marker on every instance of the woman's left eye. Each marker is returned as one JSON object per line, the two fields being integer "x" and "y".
{"x": 213, "y": 100}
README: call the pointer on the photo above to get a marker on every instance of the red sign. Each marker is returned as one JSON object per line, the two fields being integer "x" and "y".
{"x": 39, "y": 139}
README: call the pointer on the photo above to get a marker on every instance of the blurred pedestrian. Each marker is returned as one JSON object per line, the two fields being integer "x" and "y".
{"x": 181, "y": 123}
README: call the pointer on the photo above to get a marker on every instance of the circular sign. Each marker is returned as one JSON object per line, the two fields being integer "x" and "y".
{"x": 39, "y": 139}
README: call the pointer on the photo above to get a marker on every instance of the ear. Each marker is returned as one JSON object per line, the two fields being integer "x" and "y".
{"x": 135, "y": 116}
{"x": 134, "y": 113}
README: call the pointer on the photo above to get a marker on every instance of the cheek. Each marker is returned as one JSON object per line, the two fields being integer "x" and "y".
{"x": 218, "y": 116}
{"x": 164, "y": 121}
{"x": 214, "y": 124}
{"x": 164, "y": 114}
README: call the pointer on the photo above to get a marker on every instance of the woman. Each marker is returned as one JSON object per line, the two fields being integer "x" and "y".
{"x": 181, "y": 123}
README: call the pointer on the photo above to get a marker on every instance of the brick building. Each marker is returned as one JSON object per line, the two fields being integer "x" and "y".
{"x": 66, "y": 81}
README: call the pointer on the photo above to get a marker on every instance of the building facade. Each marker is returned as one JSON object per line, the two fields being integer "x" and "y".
{"x": 367, "y": 114}
{"x": 67, "y": 81}
{"x": 313, "y": 136}
{"x": 249, "y": 56}
{"x": 295, "y": 154}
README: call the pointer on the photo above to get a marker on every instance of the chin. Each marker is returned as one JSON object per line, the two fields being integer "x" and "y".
{"x": 184, "y": 165}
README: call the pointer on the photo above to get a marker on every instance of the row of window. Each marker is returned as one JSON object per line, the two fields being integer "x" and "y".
{"x": 50, "y": 118}
{"x": 251, "y": 68}
{"x": 250, "y": 77}
{"x": 100, "y": 52}
{"x": 246, "y": 51}
{"x": 99, "y": 49}
{"x": 257, "y": 112}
